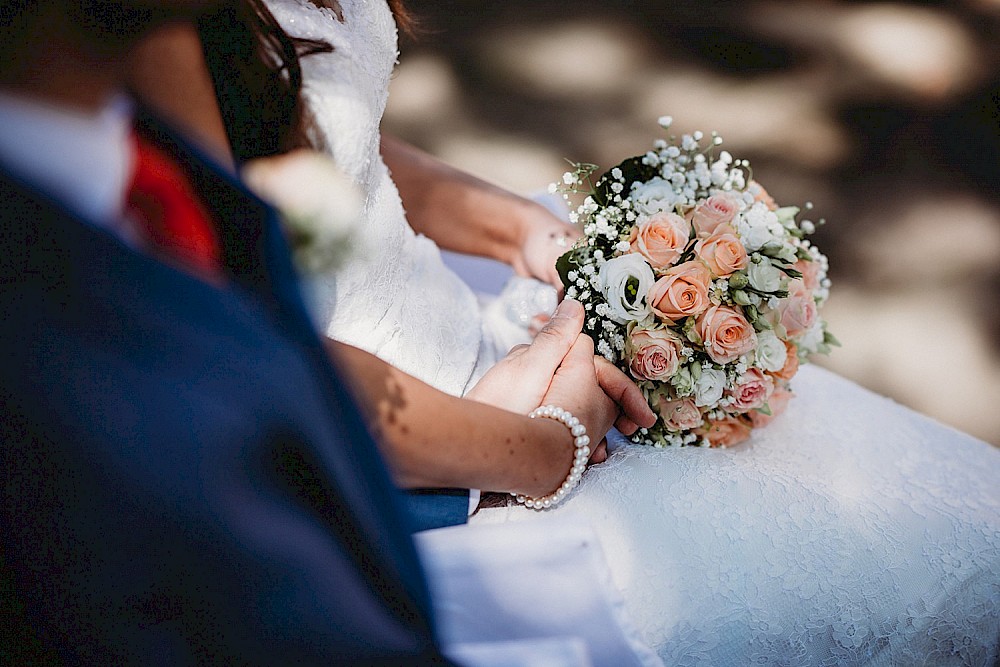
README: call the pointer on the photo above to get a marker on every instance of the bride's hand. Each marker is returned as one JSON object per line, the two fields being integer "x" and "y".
{"x": 598, "y": 394}
{"x": 519, "y": 381}
{"x": 545, "y": 238}
{"x": 555, "y": 365}
{"x": 620, "y": 388}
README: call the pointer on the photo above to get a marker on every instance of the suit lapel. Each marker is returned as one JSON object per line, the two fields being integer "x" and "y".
{"x": 255, "y": 252}
{"x": 239, "y": 218}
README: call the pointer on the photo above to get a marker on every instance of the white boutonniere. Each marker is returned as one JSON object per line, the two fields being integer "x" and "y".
{"x": 319, "y": 204}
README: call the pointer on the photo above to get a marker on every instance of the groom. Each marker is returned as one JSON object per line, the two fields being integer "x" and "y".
{"x": 184, "y": 478}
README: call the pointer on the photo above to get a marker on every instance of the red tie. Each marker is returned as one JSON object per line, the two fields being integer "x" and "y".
{"x": 169, "y": 212}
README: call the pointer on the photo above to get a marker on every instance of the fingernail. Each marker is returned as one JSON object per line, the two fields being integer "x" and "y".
{"x": 568, "y": 307}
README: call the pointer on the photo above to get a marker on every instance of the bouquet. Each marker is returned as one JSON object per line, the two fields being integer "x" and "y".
{"x": 698, "y": 285}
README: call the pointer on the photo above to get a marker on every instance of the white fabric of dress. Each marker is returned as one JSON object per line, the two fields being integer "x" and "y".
{"x": 393, "y": 297}
{"x": 849, "y": 531}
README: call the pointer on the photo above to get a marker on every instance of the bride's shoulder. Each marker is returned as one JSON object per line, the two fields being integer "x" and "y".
{"x": 338, "y": 22}
{"x": 319, "y": 21}
{"x": 306, "y": 13}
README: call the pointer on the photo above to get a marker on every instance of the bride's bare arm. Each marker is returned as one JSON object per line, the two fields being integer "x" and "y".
{"x": 463, "y": 213}
{"x": 431, "y": 439}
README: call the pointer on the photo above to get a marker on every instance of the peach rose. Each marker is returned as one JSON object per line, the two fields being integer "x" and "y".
{"x": 679, "y": 414}
{"x": 777, "y": 404}
{"x": 655, "y": 353}
{"x": 791, "y": 366}
{"x": 727, "y": 335}
{"x": 722, "y": 252}
{"x": 660, "y": 238}
{"x": 681, "y": 292}
{"x": 714, "y": 212}
{"x": 725, "y": 432}
{"x": 752, "y": 390}
{"x": 798, "y": 314}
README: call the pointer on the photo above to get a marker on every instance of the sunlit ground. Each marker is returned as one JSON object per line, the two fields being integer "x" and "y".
{"x": 882, "y": 114}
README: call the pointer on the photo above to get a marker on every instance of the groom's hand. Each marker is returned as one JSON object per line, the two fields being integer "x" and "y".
{"x": 635, "y": 411}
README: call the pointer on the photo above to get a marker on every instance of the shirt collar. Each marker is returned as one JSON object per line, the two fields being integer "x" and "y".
{"x": 82, "y": 159}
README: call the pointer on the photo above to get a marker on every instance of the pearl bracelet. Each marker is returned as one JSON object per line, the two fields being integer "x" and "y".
{"x": 580, "y": 457}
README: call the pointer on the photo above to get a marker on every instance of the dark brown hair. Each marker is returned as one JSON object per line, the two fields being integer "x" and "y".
{"x": 257, "y": 76}
{"x": 405, "y": 20}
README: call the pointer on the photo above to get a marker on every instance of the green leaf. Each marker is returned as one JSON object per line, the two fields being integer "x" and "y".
{"x": 691, "y": 332}
{"x": 564, "y": 265}
{"x": 790, "y": 272}
{"x": 633, "y": 170}
{"x": 786, "y": 213}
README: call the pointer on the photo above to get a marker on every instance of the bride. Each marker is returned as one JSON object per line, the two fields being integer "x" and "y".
{"x": 849, "y": 531}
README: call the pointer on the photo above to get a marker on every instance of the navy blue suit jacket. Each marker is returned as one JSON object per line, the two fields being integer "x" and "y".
{"x": 185, "y": 478}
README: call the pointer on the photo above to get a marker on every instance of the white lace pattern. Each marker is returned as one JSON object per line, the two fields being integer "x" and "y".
{"x": 850, "y": 531}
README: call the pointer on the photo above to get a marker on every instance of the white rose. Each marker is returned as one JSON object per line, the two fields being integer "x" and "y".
{"x": 654, "y": 196}
{"x": 812, "y": 338}
{"x": 771, "y": 353}
{"x": 763, "y": 276}
{"x": 709, "y": 387}
{"x": 624, "y": 282}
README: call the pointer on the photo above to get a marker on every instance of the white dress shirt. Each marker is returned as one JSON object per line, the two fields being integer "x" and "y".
{"x": 84, "y": 160}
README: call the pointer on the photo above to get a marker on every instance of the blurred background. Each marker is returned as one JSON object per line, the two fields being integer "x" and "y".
{"x": 884, "y": 115}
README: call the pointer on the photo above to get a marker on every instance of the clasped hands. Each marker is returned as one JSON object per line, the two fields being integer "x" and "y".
{"x": 559, "y": 368}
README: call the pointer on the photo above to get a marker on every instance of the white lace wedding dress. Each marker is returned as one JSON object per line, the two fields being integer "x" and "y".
{"x": 849, "y": 531}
